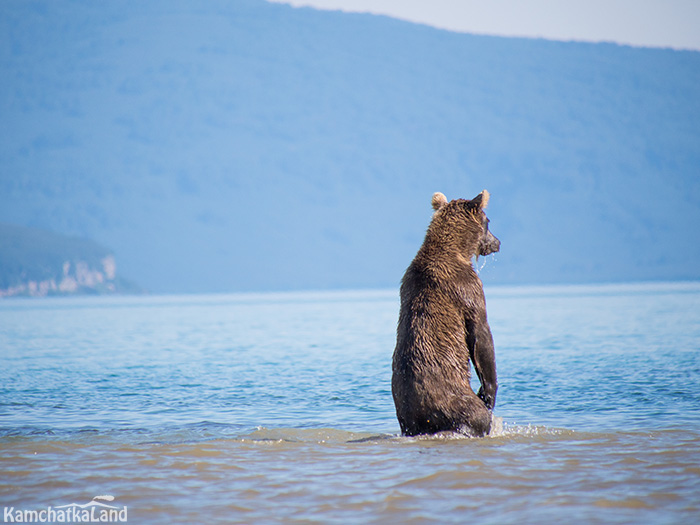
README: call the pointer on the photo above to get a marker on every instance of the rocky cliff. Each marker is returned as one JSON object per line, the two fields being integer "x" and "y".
{"x": 37, "y": 263}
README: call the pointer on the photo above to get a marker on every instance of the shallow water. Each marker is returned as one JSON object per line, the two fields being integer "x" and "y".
{"x": 277, "y": 408}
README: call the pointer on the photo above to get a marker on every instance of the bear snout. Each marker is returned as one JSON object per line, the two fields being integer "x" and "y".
{"x": 489, "y": 245}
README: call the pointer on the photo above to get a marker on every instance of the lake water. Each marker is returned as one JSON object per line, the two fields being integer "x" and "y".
{"x": 277, "y": 408}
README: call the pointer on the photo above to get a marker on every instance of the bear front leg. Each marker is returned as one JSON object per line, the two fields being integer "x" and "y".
{"x": 483, "y": 356}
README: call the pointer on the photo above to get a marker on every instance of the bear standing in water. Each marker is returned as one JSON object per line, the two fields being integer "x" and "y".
{"x": 442, "y": 325}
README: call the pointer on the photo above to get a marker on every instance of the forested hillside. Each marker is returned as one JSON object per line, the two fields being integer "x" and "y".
{"x": 241, "y": 145}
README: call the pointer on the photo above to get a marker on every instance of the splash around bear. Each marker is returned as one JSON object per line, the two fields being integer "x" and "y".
{"x": 442, "y": 326}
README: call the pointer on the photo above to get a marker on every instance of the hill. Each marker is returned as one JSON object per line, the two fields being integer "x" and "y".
{"x": 222, "y": 146}
{"x": 35, "y": 262}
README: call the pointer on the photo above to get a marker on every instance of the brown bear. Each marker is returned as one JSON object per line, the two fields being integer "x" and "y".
{"x": 442, "y": 325}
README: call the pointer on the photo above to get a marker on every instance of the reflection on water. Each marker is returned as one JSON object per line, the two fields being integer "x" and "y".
{"x": 277, "y": 407}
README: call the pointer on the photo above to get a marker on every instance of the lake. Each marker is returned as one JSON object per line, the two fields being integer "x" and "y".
{"x": 277, "y": 408}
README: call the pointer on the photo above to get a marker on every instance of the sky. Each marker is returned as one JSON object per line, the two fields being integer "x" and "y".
{"x": 647, "y": 23}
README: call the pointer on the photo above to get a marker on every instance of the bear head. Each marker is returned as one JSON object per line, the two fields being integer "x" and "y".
{"x": 462, "y": 224}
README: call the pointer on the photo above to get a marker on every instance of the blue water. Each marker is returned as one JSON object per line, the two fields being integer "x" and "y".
{"x": 274, "y": 407}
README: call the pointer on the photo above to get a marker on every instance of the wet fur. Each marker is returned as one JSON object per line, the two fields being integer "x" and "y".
{"x": 443, "y": 325}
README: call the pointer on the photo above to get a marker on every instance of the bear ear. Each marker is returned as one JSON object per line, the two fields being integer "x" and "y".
{"x": 482, "y": 199}
{"x": 439, "y": 200}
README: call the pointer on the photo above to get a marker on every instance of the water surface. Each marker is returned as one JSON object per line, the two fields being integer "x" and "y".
{"x": 259, "y": 408}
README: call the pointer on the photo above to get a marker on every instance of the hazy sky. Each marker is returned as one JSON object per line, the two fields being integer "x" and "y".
{"x": 656, "y": 23}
